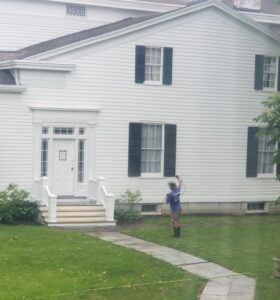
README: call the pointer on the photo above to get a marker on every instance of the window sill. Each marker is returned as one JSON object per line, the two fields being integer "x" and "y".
{"x": 153, "y": 83}
{"x": 256, "y": 211}
{"x": 267, "y": 90}
{"x": 266, "y": 176}
{"x": 151, "y": 176}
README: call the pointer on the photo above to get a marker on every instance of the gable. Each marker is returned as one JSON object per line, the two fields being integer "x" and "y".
{"x": 132, "y": 25}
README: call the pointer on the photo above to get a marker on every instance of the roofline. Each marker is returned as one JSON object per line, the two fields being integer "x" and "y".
{"x": 6, "y": 88}
{"x": 124, "y": 4}
{"x": 263, "y": 18}
{"x": 52, "y": 108}
{"x": 154, "y": 21}
{"x": 35, "y": 65}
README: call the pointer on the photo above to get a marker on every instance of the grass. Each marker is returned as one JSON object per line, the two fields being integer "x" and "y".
{"x": 244, "y": 244}
{"x": 37, "y": 262}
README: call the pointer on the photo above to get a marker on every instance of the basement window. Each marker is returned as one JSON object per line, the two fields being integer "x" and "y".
{"x": 256, "y": 207}
{"x": 149, "y": 208}
{"x": 76, "y": 10}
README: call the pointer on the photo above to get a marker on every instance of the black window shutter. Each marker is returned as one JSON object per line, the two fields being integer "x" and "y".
{"x": 139, "y": 64}
{"x": 134, "y": 150}
{"x": 278, "y": 74}
{"x": 167, "y": 66}
{"x": 252, "y": 152}
{"x": 259, "y": 59}
{"x": 278, "y": 165}
{"x": 170, "y": 150}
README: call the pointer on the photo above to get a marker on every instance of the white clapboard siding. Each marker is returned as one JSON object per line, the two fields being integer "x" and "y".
{"x": 212, "y": 100}
{"x": 25, "y": 22}
{"x": 16, "y": 142}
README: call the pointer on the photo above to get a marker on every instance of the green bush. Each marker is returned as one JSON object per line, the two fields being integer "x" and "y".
{"x": 129, "y": 214}
{"x": 122, "y": 215}
{"x": 14, "y": 205}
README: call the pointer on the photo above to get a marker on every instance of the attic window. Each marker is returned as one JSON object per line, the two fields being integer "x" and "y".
{"x": 76, "y": 10}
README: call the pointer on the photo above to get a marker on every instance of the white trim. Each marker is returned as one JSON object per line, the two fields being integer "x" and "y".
{"x": 158, "y": 20}
{"x": 66, "y": 109}
{"x": 262, "y": 18}
{"x": 274, "y": 89}
{"x": 37, "y": 65}
{"x": 11, "y": 88}
{"x": 125, "y": 4}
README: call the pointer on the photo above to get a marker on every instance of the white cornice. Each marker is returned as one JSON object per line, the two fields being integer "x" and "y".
{"x": 163, "y": 18}
{"x": 263, "y": 18}
{"x": 124, "y": 4}
{"x": 69, "y": 109}
{"x": 36, "y": 65}
{"x": 11, "y": 88}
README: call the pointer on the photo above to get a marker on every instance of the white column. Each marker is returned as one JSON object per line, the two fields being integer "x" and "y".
{"x": 36, "y": 168}
{"x": 100, "y": 182}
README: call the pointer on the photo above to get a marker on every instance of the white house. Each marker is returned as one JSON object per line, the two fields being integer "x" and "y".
{"x": 138, "y": 101}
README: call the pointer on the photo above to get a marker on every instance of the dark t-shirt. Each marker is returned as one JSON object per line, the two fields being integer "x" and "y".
{"x": 173, "y": 198}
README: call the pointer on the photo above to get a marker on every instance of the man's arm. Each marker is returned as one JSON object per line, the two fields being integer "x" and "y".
{"x": 179, "y": 181}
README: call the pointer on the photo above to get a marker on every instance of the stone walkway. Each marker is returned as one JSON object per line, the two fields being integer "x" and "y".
{"x": 223, "y": 283}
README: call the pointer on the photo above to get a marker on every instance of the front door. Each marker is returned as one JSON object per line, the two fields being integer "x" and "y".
{"x": 63, "y": 167}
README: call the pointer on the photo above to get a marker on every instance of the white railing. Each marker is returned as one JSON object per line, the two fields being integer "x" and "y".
{"x": 106, "y": 198}
{"x": 49, "y": 199}
{"x": 92, "y": 191}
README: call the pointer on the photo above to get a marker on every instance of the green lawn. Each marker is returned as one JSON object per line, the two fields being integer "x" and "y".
{"x": 37, "y": 262}
{"x": 244, "y": 244}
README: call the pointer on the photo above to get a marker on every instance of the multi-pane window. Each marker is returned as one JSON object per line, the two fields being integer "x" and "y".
{"x": 151, "y": 148}
{"x": 265, "y": 155}
{"x": 76, "y": 10}
{"x": 153, "y": 64}
{"x": 269, "y": 72}
{"x": 45, "y": 130}
{"x": 256, "y": 206}
{"x": 81, "y": 131}
{"x": 63, "y": 130}
{"x": 44, "y": 157}
{"x": 81, "y": 161}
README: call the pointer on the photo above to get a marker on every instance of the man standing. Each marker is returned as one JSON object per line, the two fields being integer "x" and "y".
{"x": 173, "y": 198}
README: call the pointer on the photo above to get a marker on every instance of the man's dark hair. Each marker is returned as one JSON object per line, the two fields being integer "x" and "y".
{"x": 172, "y": 185}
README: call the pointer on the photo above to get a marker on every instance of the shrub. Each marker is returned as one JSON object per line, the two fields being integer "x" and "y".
{"x": 14, "y": 205}
{"x": 128, "y": 214}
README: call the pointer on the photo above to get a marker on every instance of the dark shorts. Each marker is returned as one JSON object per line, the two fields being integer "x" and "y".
{"x": 175, "y": 215}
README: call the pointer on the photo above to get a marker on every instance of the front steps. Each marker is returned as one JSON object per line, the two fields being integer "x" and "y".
{"x": 77, "y": 216}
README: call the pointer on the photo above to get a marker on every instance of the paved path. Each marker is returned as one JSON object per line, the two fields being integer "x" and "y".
{"x": 223, "y": 283}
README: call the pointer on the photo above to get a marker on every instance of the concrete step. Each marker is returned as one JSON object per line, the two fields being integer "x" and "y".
{"x": 75, "y": 208}
{"x": 75, "y": 202}
{"x": 78, "y": 220}
{"x": 76, "y": 214}
{"x": 107, "y": 225}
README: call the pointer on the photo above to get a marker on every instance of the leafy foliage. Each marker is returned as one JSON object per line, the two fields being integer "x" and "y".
{"x": 270, "y": 116}
{"x": 128, "y": 214}
{"x": 14, "y": 205}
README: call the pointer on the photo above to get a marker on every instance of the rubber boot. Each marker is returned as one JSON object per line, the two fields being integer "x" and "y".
{"x": 178, "y": 232}
{"x": 175, "y": 232}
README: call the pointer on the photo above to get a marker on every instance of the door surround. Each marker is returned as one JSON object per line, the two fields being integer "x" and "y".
{"x": 82, "y": 127}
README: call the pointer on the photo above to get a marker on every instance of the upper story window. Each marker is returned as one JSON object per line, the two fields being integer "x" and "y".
{"x": 76, "y": 10}
{"x": 269, "y": 72}
{"x": 266, "y": 73}
{"x": 153, "y": 65}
